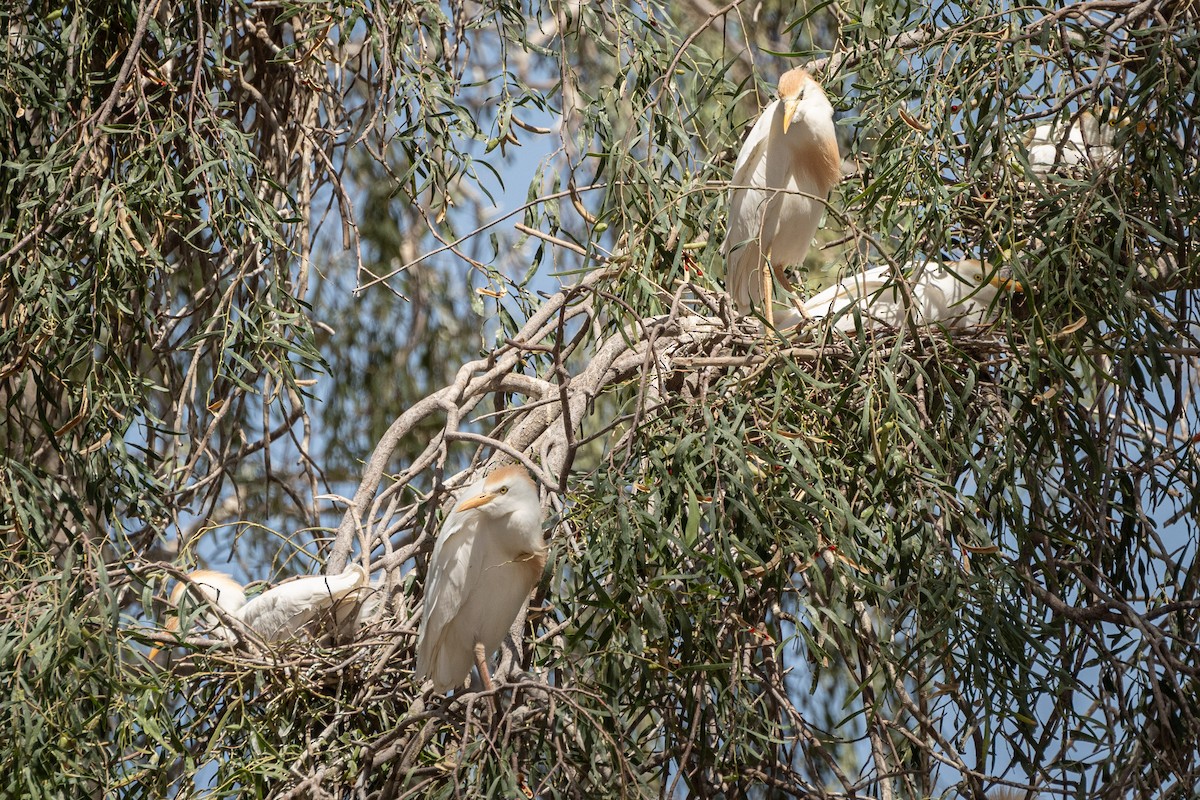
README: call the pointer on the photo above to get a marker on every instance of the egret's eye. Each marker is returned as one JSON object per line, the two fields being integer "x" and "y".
{"x": 503, "y": 490}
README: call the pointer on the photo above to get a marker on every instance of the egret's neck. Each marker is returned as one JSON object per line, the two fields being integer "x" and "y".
{"x": 525, "y": 528}
{"x": 813, "y": 141}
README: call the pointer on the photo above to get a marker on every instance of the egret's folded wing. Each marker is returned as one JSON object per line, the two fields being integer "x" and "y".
{"x": 751, "y": 158}
{"x": 286, "y": 609}
{"x": 787, "y": 318}
{"x": 452, "y": 571}
{"x": 871, "y": 290}
{"x": 1053, "y": 145}
{"x": 752, "y": 149}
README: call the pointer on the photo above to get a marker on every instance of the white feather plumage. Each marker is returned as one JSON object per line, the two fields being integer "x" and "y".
{"x": 317, "y": 604}
{"x": 1085, "y": 141}
{"x": 486, "y": 561}
{"x": 956, "y": 295}
{"x": 779, "y": 186}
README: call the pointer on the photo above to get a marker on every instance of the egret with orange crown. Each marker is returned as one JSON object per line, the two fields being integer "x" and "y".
{"x": 203, "y": 587}
{"x": 785, "y": 171}
{"x": 317, "y": 606}
{"x": 487, "y": 559}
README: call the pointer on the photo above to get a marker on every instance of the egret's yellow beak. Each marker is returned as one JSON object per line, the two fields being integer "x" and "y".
{"x": 171, "y": 626}
{"x": 477, "y": 501}
{"x": 789, "y": 111}
{"x": 1005, "y": 282}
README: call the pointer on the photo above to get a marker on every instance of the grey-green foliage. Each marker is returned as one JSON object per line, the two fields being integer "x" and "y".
{"x": 906, "y": 564}
{"x": 73, "y": 711}
{"x": 147, "y": 295}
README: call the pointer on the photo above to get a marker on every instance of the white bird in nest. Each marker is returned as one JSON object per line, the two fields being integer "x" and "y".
{"x": 326, "y": 608}
{"x": 785, "y": 170}
{"x": 487, "y": 559}
{"x": 958, "y": 294}
{"x": 1084, "y": 141}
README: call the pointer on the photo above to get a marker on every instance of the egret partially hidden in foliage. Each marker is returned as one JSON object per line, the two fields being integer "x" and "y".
{"x": 1085, "y": 141}
{"x": 487, "y": 559}
{"x": 320, "y": 607}
{"x": 203, "y": 588}
{"x": 958, "y": 294}
{"x": 786, "y": 168}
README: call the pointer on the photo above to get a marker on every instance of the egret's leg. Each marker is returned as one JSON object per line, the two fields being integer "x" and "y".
{"x": 796, "y": 304}
{"x": 485, "y": 675}
{"x": 768, "y": 301}
{"x": 781, "y": 274}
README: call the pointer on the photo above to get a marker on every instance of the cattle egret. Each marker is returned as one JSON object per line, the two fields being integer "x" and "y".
{"x": 318, "y": 606}
{"x": 786, "y": 168}
{"x": 204, "y": 587}
{"x": 960, "y": 294}
{"x": 1083, "y": 141}
{"x": 487, "y": 559}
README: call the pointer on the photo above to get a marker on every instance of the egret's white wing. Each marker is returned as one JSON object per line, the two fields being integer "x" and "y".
{"x": 1051, "y": 145}
{"x": 741, "y": 248}
{"x": 1082, "y": 142}
{"x": 284, "y": 610}
{"x": 752, "y": 150}
{"x": 872, "y": 291}
{"x": 788, "y": 318}
{"x": 939, "y": 294}
{"x": 835, "y": 301}
{"x": 453, "y": 569}
{"x": 743, "y": 201}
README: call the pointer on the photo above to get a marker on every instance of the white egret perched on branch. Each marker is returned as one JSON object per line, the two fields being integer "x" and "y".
{"x": 487, "y": 559}
{"x": 786, "y": 168}
{"x": 1085, "y": 141}
{"x": 318, "y": 606}
{"x": 958, "y": 294}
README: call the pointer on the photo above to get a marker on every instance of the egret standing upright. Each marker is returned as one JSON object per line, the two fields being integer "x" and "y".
{"x": 787, "y": 167}
{"x": 487, "y": 559}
